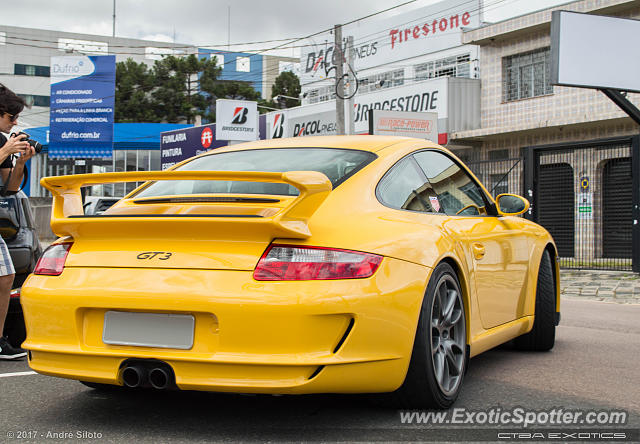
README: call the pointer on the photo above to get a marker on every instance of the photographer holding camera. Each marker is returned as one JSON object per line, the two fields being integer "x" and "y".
{"x": 16, "y": 146}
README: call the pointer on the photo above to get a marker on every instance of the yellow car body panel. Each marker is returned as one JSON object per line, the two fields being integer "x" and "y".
{"x": 289, "y": 328}
{"x": 351, "y": 335}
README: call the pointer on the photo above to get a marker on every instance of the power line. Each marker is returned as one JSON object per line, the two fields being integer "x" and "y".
{"x": 134, "y": 89}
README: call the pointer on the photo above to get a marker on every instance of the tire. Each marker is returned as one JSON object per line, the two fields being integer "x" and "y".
{"x": 439, "y": 357}
{"x": 543, "y": 334}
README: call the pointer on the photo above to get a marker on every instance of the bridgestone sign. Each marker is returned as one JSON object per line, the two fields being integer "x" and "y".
{"x": 236, "y": 120}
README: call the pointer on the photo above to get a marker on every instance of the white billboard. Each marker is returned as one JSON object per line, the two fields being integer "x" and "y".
{"x": 594, "y": 51}
{"x": 236, "y": 120}
{"x": 404, "y": 124}
{"x": 421, "y": 31}
{"x": 320, "y": 118}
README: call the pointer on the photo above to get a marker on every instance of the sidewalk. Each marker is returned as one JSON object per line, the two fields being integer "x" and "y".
{"x": 622, "y": 287}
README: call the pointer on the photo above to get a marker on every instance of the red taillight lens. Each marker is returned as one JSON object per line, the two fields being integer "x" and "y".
{"x": 51, "y": 263}
{"x": 291, "y": 263}
{"x": 15, "y": 293}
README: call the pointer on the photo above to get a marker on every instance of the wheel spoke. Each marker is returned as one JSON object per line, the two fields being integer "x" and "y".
{"x": 438, "y": 364}
{"x": 436, "y": 340}
{"x": 442, "y": 299}
{"x": 451, "y": 298}
{"x": 452, "y": 360}
{"x": 446, "y": 375}
{"x": 456, "y": 315}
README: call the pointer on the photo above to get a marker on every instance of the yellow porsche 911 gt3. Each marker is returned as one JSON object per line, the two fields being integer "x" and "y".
{"x": 352, "y": 264}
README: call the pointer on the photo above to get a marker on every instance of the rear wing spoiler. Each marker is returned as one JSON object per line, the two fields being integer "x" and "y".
{"x": 290, "y": 222}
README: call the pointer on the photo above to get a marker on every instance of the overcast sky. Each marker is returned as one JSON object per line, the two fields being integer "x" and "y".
{"x": 205, "y": 22}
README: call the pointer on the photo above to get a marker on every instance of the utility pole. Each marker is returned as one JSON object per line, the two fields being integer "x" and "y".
{"x": 114, "y": 18}
{"x": 339, "y": 62}
{"x": 351, "y": 90}
{"x": 229, "y": 28}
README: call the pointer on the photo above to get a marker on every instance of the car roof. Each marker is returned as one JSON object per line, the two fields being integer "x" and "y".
{"x": 359, "y": 142}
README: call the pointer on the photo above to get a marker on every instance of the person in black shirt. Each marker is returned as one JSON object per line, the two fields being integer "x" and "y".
{"x": 14, "y": 147}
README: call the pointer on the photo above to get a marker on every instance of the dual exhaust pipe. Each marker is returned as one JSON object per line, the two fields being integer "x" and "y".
{"x": 148, "y": 374}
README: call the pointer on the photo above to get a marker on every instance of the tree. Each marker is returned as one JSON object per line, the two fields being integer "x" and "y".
{"x": 177, "y": 92}
{"x": 215, "y": 89}
{"x": 134, "y": 81}
{"x": 288, "y": 84}
{"x": 174, "y": 90}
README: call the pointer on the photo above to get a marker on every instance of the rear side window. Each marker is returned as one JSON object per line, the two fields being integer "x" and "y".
{"x": 337, "y": 164}
{"x": 457, "y": 192}
{"x": 405, "y": 187}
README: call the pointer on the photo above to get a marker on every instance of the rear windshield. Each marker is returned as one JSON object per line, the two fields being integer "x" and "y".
{"x": 336, "y": 164}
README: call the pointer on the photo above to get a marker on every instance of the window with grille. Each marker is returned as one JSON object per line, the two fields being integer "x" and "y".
{"x": 35, "y": 100}
{"x": 499, "y": 184}
{"x": 454, "y": 66}
{"x": 498, "y": 154}
{"x": 526, "y": 75}
{"x": 31, "y": 70}
{"x": 381, "y": 80}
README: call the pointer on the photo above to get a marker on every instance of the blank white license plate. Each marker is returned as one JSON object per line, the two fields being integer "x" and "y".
{"x": 148, "y": 329}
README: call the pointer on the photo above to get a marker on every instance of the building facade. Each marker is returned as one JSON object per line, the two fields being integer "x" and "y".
{"x": 25, "y": 59}
{"x": 414, "y": 61}
{"x": 400, "y": 50}
{"x": 260, "y": 71}
{"x": 579, "y": 140}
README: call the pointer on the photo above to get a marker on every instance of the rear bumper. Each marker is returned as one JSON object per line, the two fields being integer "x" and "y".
{"x": 344, "y": 336}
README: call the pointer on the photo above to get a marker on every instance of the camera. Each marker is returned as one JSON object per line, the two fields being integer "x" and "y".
{"x": 36, "y": 145}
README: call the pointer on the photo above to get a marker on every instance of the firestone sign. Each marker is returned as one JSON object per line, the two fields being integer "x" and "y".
{"x": 400, "y": 37}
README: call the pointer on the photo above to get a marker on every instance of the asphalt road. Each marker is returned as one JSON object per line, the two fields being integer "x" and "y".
{"x": 594, "y": 366}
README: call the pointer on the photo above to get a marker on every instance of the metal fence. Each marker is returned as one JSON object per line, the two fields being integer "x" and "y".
{"x": 499, "y": 176}
{"x": 583, "y": 195}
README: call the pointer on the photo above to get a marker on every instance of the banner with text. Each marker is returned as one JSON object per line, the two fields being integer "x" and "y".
{"x": 82, "y": 106}
{"x": 320, "y": 118}
{"x": 424, "y": 30}
{"x": 178, "y": 145}
{"x": 404, "y": 124}
{"x": 236, "y": 120}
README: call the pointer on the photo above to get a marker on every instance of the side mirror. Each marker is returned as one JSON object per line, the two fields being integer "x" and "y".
{"x": 511, "y": 204}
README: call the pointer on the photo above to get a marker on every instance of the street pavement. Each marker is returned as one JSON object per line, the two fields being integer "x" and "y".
{"x": 593, "y": 367}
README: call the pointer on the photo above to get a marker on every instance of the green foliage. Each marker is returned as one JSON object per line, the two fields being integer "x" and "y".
{"x": 288, "y": 84}
{"x": 134, "y": 82}
{"x": 174, "y": 90}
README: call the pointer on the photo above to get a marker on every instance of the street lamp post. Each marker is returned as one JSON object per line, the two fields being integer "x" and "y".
{"x": 280, "y": 99}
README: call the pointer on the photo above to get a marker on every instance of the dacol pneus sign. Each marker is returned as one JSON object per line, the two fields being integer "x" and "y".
{"x": 236, "y": 120}
{"x": 282, "y": 124}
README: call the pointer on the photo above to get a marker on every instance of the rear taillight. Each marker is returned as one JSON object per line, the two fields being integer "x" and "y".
{"x": 15, "y": 293}
{"x": 51, "y": 263}
{"x": 291, "y": 263}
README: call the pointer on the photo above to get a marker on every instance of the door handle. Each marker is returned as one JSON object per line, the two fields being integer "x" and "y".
{"x": 478, "y": 250}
